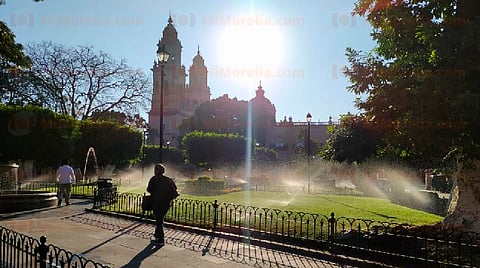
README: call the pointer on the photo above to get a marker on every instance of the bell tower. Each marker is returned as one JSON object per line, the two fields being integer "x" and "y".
{"x": 179, "y": 99}
{"x": 198, "y": 72}
{"x": 172, "y": 43}
{"x": 173, "y": 86}
{"x": 198, "y": 90}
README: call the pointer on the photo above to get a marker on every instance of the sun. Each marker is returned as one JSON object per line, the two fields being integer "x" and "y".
{"x": 251, "y": 46}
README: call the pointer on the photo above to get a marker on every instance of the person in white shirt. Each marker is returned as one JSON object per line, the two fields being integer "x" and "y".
{"x": 65, "y": 178}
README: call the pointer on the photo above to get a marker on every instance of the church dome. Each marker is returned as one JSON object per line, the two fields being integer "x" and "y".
{"x": 263, "y": 103}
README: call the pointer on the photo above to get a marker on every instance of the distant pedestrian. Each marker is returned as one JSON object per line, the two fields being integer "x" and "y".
{"x": 65, "y": 177}
{"x": 163, "y": 190}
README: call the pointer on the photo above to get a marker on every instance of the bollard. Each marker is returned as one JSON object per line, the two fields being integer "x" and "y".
{"x": 215, "y": 214}
{"x": 95, "y": 195}
{"x": 143, "y": 200}
{"x": 42, "y": 251}
{"x": 331, "y": 229}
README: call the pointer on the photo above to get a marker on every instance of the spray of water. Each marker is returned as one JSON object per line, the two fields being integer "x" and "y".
{"x": 372, "y": 178}
{"x": 136, "y": 179}
{"x": 90, "y": 161}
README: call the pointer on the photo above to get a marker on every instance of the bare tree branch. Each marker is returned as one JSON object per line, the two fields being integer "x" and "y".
{"x": 80, "y": 81}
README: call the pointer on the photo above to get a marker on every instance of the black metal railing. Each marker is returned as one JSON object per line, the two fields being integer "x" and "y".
{"x": 85, "y": 190}
{"x": 407, "y": 243}
{"x": 18, "y": 250}
{"x": 314, "y": 189}
{"x": 382, "y": 240}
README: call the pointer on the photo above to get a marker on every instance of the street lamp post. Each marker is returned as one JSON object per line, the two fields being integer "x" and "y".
{"x": 309, "y": 120}
{"x": 162, "y": 56}
{"x": 145, "y": 131}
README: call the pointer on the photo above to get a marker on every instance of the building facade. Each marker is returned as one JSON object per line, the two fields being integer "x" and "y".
{"x": 181, "y": 100}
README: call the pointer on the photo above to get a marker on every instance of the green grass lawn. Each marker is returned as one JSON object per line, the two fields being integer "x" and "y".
{"x": 358, "y": 207}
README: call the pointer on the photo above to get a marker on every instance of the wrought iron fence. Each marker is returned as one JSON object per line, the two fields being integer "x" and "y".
{"x": 78, "y": 190}
{"x": 314, "y": 189}
{"x": 408, "y": 243}
{"x": 18, "y": 250}
{"x": 390, "y": 241}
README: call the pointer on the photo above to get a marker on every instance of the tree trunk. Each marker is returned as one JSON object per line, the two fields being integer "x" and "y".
{"x": 464, "y": 210}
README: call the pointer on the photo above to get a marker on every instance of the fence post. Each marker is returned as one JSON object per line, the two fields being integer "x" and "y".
{"x": 215, "y": 214}
{"x": 42, "y": 251}
{"x": 141, "y": 204}
{"x": 95, "y": 195}
{"x": 331, "y": 228}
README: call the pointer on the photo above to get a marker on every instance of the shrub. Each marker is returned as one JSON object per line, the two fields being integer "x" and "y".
{"x": 213, "y": 148}
{"x": 204, "y": 178}
{"x": 204, "y": 186}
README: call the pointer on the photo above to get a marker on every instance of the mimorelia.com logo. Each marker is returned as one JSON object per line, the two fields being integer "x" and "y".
{"x": 22, "y": 123}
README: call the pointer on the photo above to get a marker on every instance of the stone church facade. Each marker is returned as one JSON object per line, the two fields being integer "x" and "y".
{"x": 181, "y": 100}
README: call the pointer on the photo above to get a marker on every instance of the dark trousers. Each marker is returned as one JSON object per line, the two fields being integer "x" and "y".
{"x": 159, "y": 217}
{"x": 64, "y": 189}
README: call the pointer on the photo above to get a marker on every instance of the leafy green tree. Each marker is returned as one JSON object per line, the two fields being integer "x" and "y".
{"x": 4, "y": 2}
{"x": 420, "y": 85}
{"x": 169, "y": 154}
{"x": 130, "y": 120}
{"x": 36, "y": 133}
{"x": 208, "y": 148}
{"x": 11, "y": 53}
{"x": 220, "y": 115}
{"x": 353, "y": 140}
{"x": 265, "y": 155}
{"x": 301, "y": 149}
{"x": 114, "y": 143}
{"x": 14, "y": 66}
{"x": 225, "y": 115}
{"x": 48, "y": 138}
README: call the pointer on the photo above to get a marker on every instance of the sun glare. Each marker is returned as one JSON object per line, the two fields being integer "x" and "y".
{"x": 251, "y": 47}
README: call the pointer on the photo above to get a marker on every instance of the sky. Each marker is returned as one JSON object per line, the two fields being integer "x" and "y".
{"x": 295, "y": 48}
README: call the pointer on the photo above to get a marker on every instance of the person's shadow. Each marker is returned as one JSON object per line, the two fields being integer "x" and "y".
{"x": 142, "y": 255}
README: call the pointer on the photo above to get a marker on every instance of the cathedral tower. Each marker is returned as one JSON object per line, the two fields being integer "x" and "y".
{"x": 198, "y": 90}
{"x": 180, "y": 100}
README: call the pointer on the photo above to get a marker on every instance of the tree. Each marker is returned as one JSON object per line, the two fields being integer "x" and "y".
{"x": 14, "y": 66}
{"x": 114, "y": 143}
{"x": 80, "y": 81}
{"x": 221, "y": 115}
{"x": 420, "y": 85}
{"x": 32, "y": 132}
{"x": 4, "y": 2}
{"x": 225, "y": 115}
{"x": 265, "y": 156}
{"x": 353, "y": 140}
{"x": 213, "y": 149}
{"x": 36, "y": 133}
{"x": 302, "y": 147}
{"x": 170, "y": 155}
{"x": 11, "y": 53}
{"x": 134, "y": 120}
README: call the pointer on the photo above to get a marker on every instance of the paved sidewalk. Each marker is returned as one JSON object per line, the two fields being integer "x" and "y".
{"x": 120, "y": 242}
